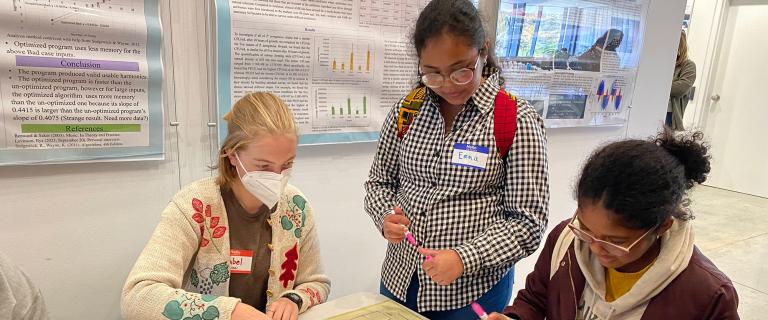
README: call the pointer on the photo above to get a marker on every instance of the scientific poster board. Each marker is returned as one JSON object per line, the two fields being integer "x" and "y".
{"x": 80, "y": 80}
{"x": 576, "y": 61}
{"x": 340, "y": 65}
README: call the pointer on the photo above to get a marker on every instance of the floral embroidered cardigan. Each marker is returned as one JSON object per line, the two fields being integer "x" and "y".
{"x": 183, "y": 272}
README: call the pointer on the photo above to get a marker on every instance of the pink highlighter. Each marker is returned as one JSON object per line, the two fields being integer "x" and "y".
{"x": 479, "y": 311}
{"x": 412, "y": 240}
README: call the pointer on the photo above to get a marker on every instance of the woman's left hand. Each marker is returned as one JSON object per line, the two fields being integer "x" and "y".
{"x": 444, "y": 267}
{"x": 283, "y": 309}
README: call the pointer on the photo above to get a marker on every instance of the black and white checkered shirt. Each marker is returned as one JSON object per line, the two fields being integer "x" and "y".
{"x": 491, "y": 218}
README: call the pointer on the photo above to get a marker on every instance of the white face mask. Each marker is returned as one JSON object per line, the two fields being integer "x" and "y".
{"x": 264, "y": 185}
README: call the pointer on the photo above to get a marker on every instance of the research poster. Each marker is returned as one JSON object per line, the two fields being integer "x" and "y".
{"x": 340, "y": 65}
{"x": 574, "y": 61}
{"x": 80, "y": 80}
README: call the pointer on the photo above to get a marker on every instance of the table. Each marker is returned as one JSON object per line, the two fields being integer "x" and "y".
{"x": 361, "y": 305}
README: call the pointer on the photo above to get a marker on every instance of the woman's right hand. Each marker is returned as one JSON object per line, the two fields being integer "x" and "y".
{"x": 395, "y": 226}
{"x": 243, "y": 311}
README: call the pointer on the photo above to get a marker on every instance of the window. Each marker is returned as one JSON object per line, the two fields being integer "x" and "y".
{"x": 529, "y": 30}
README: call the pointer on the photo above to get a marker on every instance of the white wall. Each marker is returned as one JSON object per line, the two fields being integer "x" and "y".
{"x": 703, "y": 35}
{"x": 77, "y": 229}
{"x": 732, "y": 122}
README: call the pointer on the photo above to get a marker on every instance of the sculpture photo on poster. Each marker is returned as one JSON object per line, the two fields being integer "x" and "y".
{"x": 576, "y": 61}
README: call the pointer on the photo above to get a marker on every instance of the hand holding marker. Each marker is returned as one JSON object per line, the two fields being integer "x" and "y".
{"x": 479, "y": 311}
{"x": 408, "y": 235}
{"x": 412, "y": 240}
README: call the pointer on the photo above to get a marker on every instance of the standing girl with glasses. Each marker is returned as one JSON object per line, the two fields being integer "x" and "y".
{"x": 628, "y": 252}
{"x": 461, "y": 168}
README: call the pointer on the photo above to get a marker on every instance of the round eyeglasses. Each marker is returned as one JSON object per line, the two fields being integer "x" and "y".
{"x": 459, "y": 77}
{"x": 612, "y": 249}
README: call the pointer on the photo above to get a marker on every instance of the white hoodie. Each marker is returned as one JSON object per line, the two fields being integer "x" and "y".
{"x": 676, "y": 251}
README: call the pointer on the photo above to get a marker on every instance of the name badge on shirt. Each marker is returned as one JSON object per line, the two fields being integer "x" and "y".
{"x": 471, "y": 156}
{"x": 240, "y": 261}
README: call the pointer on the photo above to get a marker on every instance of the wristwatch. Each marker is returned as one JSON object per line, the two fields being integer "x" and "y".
{"x": 295, "y": 298}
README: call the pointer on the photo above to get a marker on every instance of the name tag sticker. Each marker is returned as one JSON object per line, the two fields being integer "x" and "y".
{"x": 240, "y": 261}
{"x": 471, "y": 156}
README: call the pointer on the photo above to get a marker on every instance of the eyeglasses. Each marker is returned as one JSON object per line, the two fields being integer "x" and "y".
{"x": 459, "y": 77}
{"x": 612, "y": 249}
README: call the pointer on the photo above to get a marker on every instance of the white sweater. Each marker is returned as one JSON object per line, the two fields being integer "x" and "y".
{"x": 184, "y": 269}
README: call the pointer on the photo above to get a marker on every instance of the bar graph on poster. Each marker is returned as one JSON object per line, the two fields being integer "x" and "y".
{"x": 345, "y": 58}
{"x": 83, "y": 81}
{"x": 609, "y": 95}
{"x": 336, "y": 107}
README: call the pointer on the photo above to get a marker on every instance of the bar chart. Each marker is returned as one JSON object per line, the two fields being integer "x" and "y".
{"x": 339, "y": 65}
{"x": 337, "y": 109}
{"x": 345, "y": 58}
{"x": 342, "y": 107}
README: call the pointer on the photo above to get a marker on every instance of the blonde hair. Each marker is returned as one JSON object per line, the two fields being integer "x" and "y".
{"x": 254, "y": 115}
{"x": 682, "y": 49}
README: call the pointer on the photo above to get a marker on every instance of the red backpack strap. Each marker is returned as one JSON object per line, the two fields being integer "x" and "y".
{"x": 409, "y": 109}
{"x": 504, "y": 121}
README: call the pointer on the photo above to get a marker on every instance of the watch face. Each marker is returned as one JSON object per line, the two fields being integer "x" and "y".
{"x": 295, "y": 298}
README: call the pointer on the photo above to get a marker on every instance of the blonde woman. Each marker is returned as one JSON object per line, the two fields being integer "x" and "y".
{"x": 241, "y": 245}
{"x": 682, "y": 81}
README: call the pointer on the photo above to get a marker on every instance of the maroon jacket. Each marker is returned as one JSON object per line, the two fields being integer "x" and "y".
{"x": 701, "y": 291}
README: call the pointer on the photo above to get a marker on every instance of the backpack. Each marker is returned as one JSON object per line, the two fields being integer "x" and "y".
{"x": 504, "y": 117}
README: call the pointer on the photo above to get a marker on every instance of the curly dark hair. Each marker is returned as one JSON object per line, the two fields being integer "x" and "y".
{"x": 645, "y": 181}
